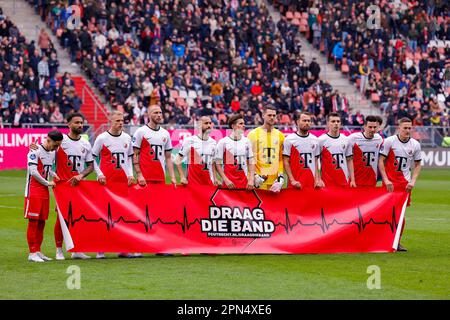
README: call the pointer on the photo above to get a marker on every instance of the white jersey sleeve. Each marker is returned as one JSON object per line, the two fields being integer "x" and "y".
{"x": 137, "y": 138}
{"x": 417, "y": 152}
{"x": 219, "y": 151}
{"x": 386, "y": 147}
{"x": 287, "y": 145}
{"x": 96, "y": 150}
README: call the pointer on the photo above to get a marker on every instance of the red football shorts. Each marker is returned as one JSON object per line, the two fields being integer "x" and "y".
{"x": 36, "y": 208}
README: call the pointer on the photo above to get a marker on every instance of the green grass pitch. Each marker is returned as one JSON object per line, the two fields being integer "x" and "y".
{"x": 421, "y": 273}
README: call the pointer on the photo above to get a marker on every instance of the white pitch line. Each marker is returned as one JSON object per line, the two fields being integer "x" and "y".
{"x": 8, "y": 207}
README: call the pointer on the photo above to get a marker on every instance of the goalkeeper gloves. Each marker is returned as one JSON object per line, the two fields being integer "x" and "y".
{"x": 278, "y": 184}
{"x": 259, "y": 180}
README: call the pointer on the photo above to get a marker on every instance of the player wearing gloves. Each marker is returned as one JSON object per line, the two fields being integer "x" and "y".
{"x": 267, "y": 144}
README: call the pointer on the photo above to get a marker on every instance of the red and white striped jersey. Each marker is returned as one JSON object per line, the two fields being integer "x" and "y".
{"x": 400, "y": 158}
{"x": 234, "y": 155}
{"x": 200, "y": 155}
{"x": 334, "y": 153}
{"x": 365, "y": 157}
{"x": 115, "y": 153}
{"x": 152, "y": 144}
{"x": 72, "y": 157}
{"x": 44, "y": 161}
{"x": 302, "y": 151}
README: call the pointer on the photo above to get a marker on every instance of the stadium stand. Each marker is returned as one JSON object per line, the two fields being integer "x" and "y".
{"x": 31, "y": 90}
{"x": 402, "y": 63}
{"x": 207, "y": 57}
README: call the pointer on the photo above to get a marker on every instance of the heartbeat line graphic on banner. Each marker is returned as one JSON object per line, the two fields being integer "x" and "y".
{"x": 185, "y": 224}
{"x": 324, "y": 225}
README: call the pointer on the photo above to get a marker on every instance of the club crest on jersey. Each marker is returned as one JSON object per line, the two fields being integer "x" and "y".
{"x": 83, "y": 150}
{"x": 125, "y": 145}
{"x": 164, "y": 140}
{"x": 32, "y": 156}
{"x": 343, "y": 146}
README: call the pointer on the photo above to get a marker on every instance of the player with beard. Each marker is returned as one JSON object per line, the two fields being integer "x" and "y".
{"x": 235, "y": 154}
{"x": 74, "y": 162}
{"x": 301, "y": 154}
{"x": 153, "y": 150}
{"x": 200, "y": 150}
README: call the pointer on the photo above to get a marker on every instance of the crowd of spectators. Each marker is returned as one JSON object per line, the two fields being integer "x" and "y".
{"x": 30, "y": 90}
{"x": 213, "y": 57}
{"x": 400, "y": 60}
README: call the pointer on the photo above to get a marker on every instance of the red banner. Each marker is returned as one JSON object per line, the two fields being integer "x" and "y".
{"x": 165, "y": 219}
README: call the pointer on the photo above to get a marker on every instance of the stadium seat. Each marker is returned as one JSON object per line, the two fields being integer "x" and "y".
{"x": 181, "y": 103}
{"x": 297, "y": 15}
{"x": 295, "y": 22}
{"x": 192, "y": 94}
{"x": 305, "y": 15}
{"x": 285, "y": 119}
{"x": 289, "y": 15}
{"x": 183, "y": 94}
{"x": 374, "y": 97}
{"x": 222, "y": 118}
{"x": 409, "y": 55}
{"x": 174, "y": 94}
{"x": 345, "y": 68}
{"x": 190, "y": 102}
{"x": 377, "y": 76}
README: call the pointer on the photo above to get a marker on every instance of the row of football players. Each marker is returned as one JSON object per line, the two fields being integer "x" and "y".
{"x": 256, "y": 161}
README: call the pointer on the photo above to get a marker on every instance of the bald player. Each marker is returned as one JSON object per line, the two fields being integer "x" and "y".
{"x": 153, "y": 150}
{"x": 199, "y": 150}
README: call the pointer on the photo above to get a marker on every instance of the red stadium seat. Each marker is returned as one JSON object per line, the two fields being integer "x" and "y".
{"x": 285, "y": 119}
{"x": 345, "y": 68}
{"x": 295, "y": 22}
{"x": 416, "y": 105}
{"x": 377, "y": 76}
{"x": 222, "y": 118}
{"x": 305, "y": 15}
{"x": 375, "y": 97}
{"x": 297, "y": 15}
{"x": 174, "y": 94}
{"x": 181, "y": 103}
{"x": 289, "y": 15}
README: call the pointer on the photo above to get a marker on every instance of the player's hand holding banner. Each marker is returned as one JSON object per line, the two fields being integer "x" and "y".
{"x": 161, "y": 218}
